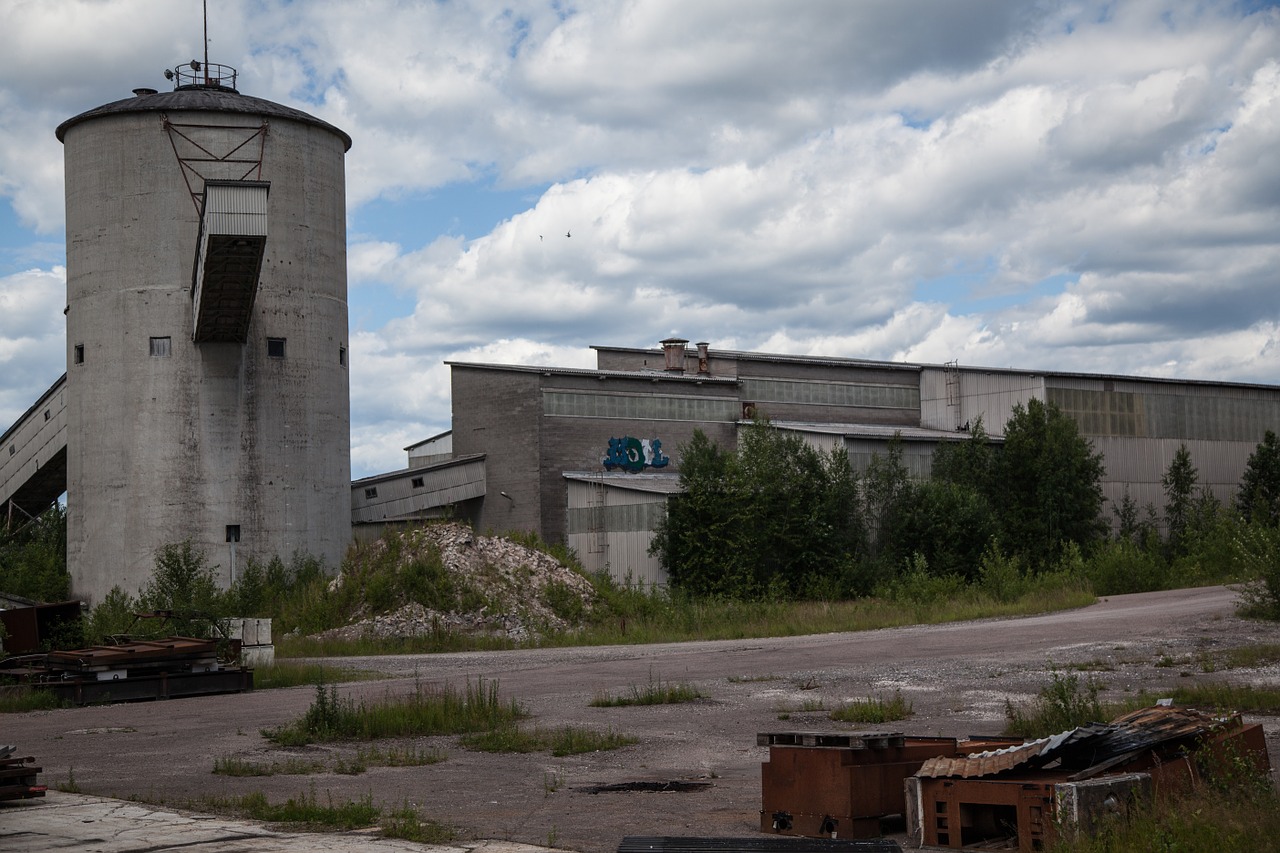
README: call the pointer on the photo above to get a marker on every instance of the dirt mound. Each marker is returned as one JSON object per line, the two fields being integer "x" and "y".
{"x": 505, "y": 589}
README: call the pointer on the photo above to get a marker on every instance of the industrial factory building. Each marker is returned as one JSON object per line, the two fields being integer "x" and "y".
{"x": 589, "y": 457}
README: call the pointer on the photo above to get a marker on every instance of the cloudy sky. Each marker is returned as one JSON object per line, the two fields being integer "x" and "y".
{"x": 1085, "y": 186}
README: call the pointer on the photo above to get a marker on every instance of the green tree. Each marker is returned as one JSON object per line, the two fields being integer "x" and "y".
{"x": 184, "y": 585}
{"x": 1179, "y": 483}
{"x": 1259, "y": 495}
{"x": 776, "y": 518}
{"x": 698, "y": 539}
{"x": 885, "y": 486}
{"x": 1047, "y": 488}
{"x": 948, "y": 523}
{"x": 966, "y": 463}
{"x": 33, "y": 557}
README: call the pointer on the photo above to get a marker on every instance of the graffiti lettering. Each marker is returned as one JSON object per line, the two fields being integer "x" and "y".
{"x": 635, "y": 454}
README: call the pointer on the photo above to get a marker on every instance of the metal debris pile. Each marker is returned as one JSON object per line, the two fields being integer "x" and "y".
{"x": 1072, "y": 780}
{"x": 19, "y": 776}
{"x": 164, "y": 668}
{"x": 1010, "y": 793}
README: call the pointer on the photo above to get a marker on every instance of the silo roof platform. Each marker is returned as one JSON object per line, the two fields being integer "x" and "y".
{"x": 233, "y": 238}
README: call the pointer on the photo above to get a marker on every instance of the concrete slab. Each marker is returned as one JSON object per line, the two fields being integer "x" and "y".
{"x": 78, "y": 822}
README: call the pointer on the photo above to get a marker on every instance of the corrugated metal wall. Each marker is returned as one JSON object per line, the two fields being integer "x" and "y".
{"x": 399, "y": 497}
{"x": 611, "y": 529}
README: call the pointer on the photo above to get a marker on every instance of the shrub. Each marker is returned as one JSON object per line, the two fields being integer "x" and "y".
{"x": 918, "y": 585}
{"x": 1063, "y": 704}
{"x": 1257, "y": 554}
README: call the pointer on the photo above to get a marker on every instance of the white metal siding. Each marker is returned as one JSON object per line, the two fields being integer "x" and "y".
{"x": 236, "y": 210}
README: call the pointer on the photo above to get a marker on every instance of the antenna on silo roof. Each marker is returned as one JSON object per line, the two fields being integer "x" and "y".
{"x": 195, "y": 74}
{"x": 205, "y": 5}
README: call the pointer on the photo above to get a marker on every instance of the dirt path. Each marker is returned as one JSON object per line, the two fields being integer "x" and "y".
{"x": 957, "y": 677}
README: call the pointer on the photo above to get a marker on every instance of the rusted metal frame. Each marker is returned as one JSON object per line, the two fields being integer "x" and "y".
{"x": 197, "y": 196}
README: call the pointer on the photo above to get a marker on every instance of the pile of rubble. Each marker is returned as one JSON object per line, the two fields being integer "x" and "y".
{"x": 524, "y": 591}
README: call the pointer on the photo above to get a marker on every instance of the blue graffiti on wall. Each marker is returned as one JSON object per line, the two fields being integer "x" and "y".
{"x": 635, "y": 454}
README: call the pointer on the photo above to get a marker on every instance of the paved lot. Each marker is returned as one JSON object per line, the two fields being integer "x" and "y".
{"x": 958, "y": 677}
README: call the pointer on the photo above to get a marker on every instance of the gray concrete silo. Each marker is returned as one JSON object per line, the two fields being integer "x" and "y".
{"x": 207, "y": 386}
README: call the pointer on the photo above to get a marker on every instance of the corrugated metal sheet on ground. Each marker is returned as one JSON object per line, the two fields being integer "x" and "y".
{"x": 1089, "y": 748}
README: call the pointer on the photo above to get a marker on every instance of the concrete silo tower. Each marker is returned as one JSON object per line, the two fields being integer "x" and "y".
{"x": 207, "y": 383}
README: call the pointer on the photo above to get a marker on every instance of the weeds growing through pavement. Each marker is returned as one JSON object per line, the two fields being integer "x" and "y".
{"x": 423, "y": 712}
{"x": 568, "y": 740}
{"x": 874, "y": 709}
{"x": 656, "y": 692}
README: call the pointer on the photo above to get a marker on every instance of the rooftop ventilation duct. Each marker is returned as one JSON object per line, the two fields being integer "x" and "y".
{"x": 673, "y": 350}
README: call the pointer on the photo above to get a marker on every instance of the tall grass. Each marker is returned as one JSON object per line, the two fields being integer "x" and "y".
{"x": 874, "y": 710}
{"x": 656, "y": 692}
{"x": 19, "y": 699}
{"x": 1065, "y": 703}
{"x": 423, "y": 712}
{"x": 288, "y": 673}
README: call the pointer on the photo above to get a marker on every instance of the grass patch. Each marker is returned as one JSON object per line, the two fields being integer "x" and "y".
{"x": 1095, "y": 665}
{"x": 365, "y": 646}
{"x": 568, "y": 740}
{"x": 16, "y": 700}
{"x": 303, "y": 812}
{"x": 408, "y": 756}
{"x": 240, "y": 768}
{"x": 1249, "y": 657}
{"x": 423, "y": 712}
{"x": 306, "y": 813}
{"x": 656, "y": 692}
{"x": 1220, "y": 696}
{"x": 288, "y": 673}
{"x": 405, "y": 823}
{"x": 874, "y": 710}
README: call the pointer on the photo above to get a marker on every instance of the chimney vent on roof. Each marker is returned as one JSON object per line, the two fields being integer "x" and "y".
{"x": 143, "y": 92}
{"x": 673, "y": 349}
{"x": 704, "y": 365}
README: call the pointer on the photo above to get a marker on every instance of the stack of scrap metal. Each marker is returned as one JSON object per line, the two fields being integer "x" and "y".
{"x": 1023, "y": 792}
{"x": 840, "y": 785}
{"x": 139, "y": 669}
{"x": 18, "y": 776}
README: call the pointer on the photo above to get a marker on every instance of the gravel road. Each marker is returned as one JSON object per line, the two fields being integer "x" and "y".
{"x": 958, "y": 678}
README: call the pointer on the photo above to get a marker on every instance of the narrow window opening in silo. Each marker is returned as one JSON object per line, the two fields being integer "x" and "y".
{"x": 13, "y": 448}
{"x": 342, "y": 356}
{"x": 233, "y": 533}
{"x": 275, "y": 347}
{"x": 418, "y": 482}
{"x": 46, "y": 414}
{"x": 161, "y": 347}
{"x": 79, "y": 354}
